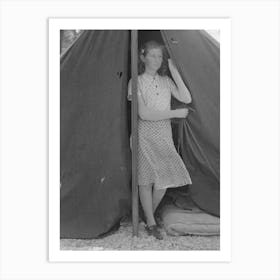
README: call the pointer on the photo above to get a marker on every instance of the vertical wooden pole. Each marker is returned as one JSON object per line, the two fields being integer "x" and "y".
{"x": 134, "y": 120}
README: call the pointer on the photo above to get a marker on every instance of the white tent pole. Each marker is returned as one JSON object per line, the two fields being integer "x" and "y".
{"x": 134, "y": 129}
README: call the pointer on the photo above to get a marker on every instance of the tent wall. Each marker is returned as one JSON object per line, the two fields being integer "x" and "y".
{"x": 95, "y": 159}
{"x": 198, "y": 59}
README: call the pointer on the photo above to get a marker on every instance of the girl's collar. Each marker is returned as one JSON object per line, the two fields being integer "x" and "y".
{"x": 149, "y": 76}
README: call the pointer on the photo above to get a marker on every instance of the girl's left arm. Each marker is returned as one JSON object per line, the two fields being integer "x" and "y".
{"x": 180, "y": 91}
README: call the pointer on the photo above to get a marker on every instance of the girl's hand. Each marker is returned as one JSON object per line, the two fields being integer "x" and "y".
{"x": 181, "y": 113}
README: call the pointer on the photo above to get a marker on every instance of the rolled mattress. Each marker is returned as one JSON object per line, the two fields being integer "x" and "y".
{"x": 178, "y": 221}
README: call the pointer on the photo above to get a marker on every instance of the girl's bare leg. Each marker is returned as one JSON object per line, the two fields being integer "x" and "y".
{"x": 157, "y": 197}
{"x": 146, "y": 198}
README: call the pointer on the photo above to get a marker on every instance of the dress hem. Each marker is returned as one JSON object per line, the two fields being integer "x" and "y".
{"x": 168, "y": 186}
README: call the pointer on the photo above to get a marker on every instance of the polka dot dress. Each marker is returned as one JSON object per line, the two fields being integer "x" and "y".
{"x": 158, "y": 161}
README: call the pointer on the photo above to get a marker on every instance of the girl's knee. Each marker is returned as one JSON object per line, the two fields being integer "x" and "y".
{"x": 162, "y": 191}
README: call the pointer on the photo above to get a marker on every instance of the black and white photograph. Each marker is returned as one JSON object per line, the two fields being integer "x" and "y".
{"x": 177, "y": 156}
{"x": 139, "y": 139}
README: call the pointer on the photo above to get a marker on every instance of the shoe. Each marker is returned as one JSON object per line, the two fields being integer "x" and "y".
{"x": 154, "y": 231}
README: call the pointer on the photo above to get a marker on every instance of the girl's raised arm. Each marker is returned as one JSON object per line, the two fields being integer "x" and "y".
{"x": 179, "y": 91}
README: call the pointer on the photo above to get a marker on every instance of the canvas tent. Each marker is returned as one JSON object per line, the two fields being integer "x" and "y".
{"x": 95, "y": 157}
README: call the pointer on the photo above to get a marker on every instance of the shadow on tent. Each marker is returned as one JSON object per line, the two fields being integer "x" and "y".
{"x": 95, "y": 158}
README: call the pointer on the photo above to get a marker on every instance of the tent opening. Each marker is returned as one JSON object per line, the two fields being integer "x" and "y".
{"x": 172, "y": 193}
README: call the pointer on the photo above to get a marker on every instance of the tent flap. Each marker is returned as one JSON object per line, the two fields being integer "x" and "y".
{"x": 198, "y": 61}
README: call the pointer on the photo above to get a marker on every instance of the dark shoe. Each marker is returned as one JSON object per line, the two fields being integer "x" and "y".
{"x": 154, "y": 231}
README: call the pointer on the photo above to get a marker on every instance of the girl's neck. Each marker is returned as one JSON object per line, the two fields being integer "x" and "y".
{"x": 150, "y": 72}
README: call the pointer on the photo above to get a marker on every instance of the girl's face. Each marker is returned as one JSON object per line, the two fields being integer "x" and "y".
{"x": 153, "y": 59}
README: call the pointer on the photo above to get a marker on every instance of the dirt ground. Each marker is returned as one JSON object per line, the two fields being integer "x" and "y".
{"x": 123, "y": 240}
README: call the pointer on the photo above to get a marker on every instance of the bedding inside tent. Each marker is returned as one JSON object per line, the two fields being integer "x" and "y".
{"x": 95, "y": 157}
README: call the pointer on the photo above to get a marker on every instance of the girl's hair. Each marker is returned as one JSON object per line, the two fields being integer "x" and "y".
{"x": 144, "y": 49}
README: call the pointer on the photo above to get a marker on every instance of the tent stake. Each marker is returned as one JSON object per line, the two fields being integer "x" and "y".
{"x": 134, "y": 129}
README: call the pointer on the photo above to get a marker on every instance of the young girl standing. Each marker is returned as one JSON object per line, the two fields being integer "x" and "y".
{"x": 159, "y": 165}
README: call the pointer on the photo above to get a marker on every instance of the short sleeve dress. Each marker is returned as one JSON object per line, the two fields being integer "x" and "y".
{"x": 158, "y": 161}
